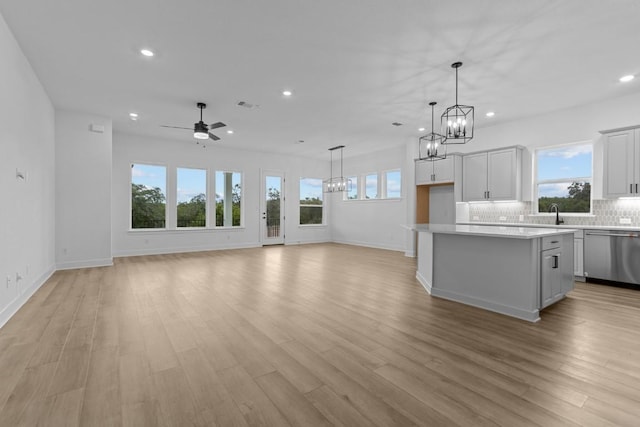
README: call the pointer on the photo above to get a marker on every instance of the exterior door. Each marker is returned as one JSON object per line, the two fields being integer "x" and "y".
{"x": 272, "y": 208}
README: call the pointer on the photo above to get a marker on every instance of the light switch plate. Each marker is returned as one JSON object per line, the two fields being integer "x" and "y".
{"x": 625, "y": 220}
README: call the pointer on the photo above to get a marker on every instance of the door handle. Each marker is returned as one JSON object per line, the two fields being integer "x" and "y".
{"x": 554, "y": 261}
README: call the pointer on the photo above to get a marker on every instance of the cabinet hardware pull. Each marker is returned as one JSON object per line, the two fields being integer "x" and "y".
{"x": 555, "y": 261}
{"x": 630, "y": 188}
{"x": 554, "y": 241}
{"x": 636, "y": 187}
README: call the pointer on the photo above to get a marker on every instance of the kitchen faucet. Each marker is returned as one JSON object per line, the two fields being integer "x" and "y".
{"x": 554, "y": 206}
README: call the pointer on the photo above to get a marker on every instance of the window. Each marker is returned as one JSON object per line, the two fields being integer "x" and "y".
{"x": 564, "y": 178}
{"x": 310, "y": 201}
{"x": 393, "y": 181}
{"x": 148, "y": 196}
{"x": 371, "y": 186}
{"x": 191, "y": 196}
{"x": 352, "y": 193}
{"x": 228, "y": 199}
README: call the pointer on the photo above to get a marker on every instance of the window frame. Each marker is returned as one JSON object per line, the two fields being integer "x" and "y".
{"x": 364, "y": 186}
{"x": 166, "y": 196}
{"x": 386, "y": 184}
{"x": 206, "y": 195}
{"x": 536, "y": 183}
{"x": 355, "y": 185}
{"x": 300, "y": 205}
{"x": 215, "y": 202}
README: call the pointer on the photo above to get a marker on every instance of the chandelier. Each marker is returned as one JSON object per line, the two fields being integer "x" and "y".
{"x": 457, "y": 121}
{"x": 338, "y": 183}
{"x": 429, "y": 144}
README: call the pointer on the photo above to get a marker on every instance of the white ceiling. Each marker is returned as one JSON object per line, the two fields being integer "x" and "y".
{"x": 356, "y": 66}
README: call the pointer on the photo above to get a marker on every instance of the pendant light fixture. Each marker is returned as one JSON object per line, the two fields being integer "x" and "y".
{"x": 338, "y": 183}
{"x": 430, "y": 145}
{"x": 457, "y": 121}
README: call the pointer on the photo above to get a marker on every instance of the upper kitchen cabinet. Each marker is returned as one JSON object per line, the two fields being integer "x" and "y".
{"x": 437, "y": 171}
{"x": 492, "y": 175}
{"x": 621, "y": 163}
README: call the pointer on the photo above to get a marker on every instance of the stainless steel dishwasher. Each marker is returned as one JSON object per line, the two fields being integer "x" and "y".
{"x": 612, "y": 255}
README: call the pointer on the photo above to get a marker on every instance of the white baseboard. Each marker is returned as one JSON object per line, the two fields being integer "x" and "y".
{"x": 424, "y": 282}
{"x": 103, "y": 262}
{"x": 165, "y": 251}
{"x": 410, "y": 254}
{"x": 369, "y": 245}
{"x": 530, "y": 316}
{"x": 307, "y": 242}
{"x": 15, "y": 305}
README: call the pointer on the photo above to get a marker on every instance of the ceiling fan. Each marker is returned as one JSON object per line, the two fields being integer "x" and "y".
{"x": 201, "y": 130}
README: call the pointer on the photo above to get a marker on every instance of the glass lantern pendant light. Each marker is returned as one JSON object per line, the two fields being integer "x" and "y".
{"x": 457, "y": 121}
{"x": 430, "y": 145}
{"x": 338, "y": 183}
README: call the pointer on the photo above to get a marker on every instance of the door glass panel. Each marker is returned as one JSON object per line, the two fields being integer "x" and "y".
{"x": 273, "y": 191}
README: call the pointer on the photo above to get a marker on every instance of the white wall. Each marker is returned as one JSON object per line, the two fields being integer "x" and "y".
{"x": 83, "y": 190}
{"x": 128, "y": 149}
{"x": 375, "y": 223}
{"x": 27, "y": 229}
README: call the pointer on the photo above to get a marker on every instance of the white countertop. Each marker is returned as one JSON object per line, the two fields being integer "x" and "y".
{"x": 564, "y": 226}
{"x": 491, "y": 230}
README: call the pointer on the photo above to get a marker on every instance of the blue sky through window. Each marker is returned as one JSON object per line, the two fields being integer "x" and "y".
{"x": 150, "y": 176}
{"x": 191, "y": 182}
{"x": 394, "y": 184}
{"x": 564, "y": 165}
{"x": 310, "y": 187}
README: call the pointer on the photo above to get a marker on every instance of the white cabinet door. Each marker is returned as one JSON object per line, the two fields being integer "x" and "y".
{"x": 578, "y": 257}
{"x": 474, "y": 177}
{"x": 423, "y": 172}
{"x": 620, "y": 151}
{"x": 550, "y": 276}
{"x": 444, "y": 170}
{"x": 502, "y": 169}
{"x": 435, "y": 172}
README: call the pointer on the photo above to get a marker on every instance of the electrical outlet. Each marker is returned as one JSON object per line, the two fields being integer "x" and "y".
{"x": 503, "y": 218}
{"x": 625, "y": 220}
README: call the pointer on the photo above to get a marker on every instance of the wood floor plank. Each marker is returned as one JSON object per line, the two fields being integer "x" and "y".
{"x": 291, "y": 403}
{"x": 294, "y": 335}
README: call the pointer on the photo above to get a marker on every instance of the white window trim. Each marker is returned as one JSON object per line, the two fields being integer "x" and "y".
{"x": 206, "y": 194}
{"x": 324, "y": 211}
{"x": 385, "y": 186}
{"x": 535, "y": 181}
{"x": 213, "y": 210}
{"x": 166, "y": 196}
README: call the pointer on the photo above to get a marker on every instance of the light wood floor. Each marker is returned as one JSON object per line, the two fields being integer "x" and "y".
{"x": 308, "y": 335}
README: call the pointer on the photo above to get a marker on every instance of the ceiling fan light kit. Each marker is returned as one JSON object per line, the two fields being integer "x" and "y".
{"x": 457, "y": 121}
{"x": 429, "y": 144}
{"x": 200, "y": 129}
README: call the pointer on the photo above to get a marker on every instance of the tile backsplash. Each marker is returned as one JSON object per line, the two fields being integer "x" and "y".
{"x": 607, "y": 212}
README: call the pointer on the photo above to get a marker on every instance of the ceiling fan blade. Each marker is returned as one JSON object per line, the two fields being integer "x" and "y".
{"x": 212, "y": 136}
{"x": 175, "y": 127}
{"x": 216, "y": 125}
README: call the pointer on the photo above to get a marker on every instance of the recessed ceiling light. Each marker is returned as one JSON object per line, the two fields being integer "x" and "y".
{"x": 490, "y": 114}
{"x": 287, "y": 92}
{"x": 133, "y": 116}
{"x": 230, "y": 131}
{"x": 147, "y": 52}
{"x": 420, "y": 129}
{"x": 300, "y": 141}
{"x": 627, "y": 78}
{"x": 396, "y": 124}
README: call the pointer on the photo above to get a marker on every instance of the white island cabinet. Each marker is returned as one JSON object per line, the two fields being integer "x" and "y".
{"x": 515, "y": 271}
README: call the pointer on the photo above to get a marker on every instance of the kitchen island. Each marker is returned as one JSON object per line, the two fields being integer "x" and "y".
{"x": 515, "y": 271}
